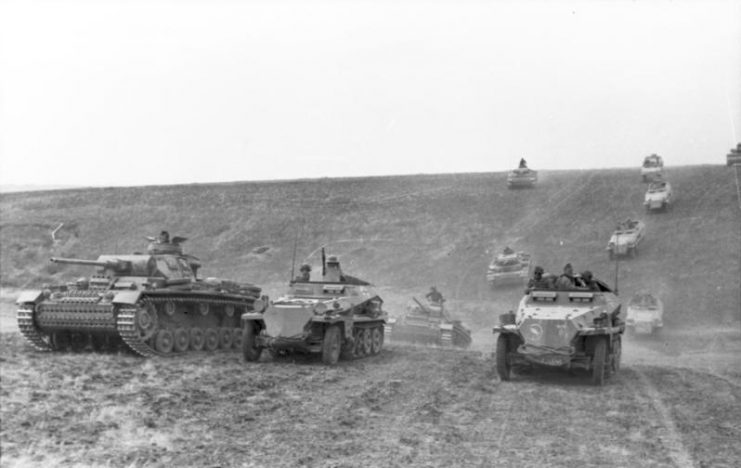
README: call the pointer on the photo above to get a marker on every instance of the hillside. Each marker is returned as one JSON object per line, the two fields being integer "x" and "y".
{"x": 402, "y": 233}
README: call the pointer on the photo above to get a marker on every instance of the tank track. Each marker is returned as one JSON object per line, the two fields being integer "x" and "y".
{"x": 24, "y": 317}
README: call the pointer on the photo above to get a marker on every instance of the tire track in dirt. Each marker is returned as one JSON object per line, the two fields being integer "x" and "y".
{"x": 672, "y": 442}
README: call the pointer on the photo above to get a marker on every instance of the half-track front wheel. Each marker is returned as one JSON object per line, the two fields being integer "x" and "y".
{"x": 250, "y": 350}
{"x": 599, "y": 361}
{"x": 504, "y": 368}
{"x": 331, "y": 345}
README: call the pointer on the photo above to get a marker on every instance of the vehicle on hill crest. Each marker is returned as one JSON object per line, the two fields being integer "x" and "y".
{"x": 153, "y": 302}
{"x": 653, "y": 166}
{"x": 645, "y": 314}
{"x": 626, "y": 238}
{"x": 566, "y": 328}
{"x": 733, "y": 158}
{"x": 429, "y": 323}
{"x": 522, "y": 176}
{"x": 339, "y": 317}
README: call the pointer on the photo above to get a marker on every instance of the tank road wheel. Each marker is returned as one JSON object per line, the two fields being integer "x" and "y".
{"x": 59, "y": 340}
{"x": 367, "y": 341}
{"x": 237, "y": 337}
{"x": 331, "y": 345}
{"x": 98, "y": 342}
{"x": 169, "y": 308}
{"x": 146, "y": 321}
{"x": 599, "y": 361}
{"x": 212, "y": 339}
{"x": 250, "y": 350}
{"x": 196, "y": 339}
{"x": 229, "y": 310}
{"x": 225, "y": 338}
{"x": 181, "y": 339}
{"x": 164, "y": 341}
{"x": 203, "y": 308}
{"x": 376, "y": 340}
{"x": 78, "y": 341}
{"x": 504, "y": 368}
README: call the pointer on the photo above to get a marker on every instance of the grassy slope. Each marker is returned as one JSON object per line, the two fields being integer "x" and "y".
{"x": 403, "y": 233}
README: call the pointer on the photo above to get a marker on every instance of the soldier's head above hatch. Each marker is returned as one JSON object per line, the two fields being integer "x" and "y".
{"x": 587, "y": 275}
{"x": 164, "y": 237}
{"x": 538, "y": 272}
{"x": 568, "y": 269}
{"x": 305, "y": 267}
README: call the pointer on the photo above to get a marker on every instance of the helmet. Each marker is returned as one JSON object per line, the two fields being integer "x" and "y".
{"x": 305, "y": 267}
{"x": 538, "y": 269}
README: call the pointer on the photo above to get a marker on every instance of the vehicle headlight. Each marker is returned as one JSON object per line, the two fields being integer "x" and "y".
{"x": 320, "y": 308}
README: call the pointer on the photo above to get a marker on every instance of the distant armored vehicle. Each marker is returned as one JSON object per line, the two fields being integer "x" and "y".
{"x": 659, "y": 196}
{"x": 734, "y": 156}
{"x": 153, "y": 302}
{"x": 507, "y": 268}
{"x": 573, "y": 328}
{"x": 645, "y": 314}
{"x": 653, "y": 166}
{"x": 342, "y": 318}
{"x": 626, "y": 238}
{"x": 428, "y": 323}
{"x": 522, "y": 177}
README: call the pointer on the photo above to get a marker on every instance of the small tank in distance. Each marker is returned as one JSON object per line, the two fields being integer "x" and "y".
{"x": 733, "y": 158}
{"x": 522, "y": 177}
{"x": 569, "y": 328}
{"x": 652, "y": 167}
{"x": 337, "y": 316}
{"x": 428, "y": 323}
{"x": 154, "y": 303}
{"x": 659, "y": 196}
{"x": 509, "y": 268}
{"x": 645, "y": 314}
{"x": 626, "y": 238}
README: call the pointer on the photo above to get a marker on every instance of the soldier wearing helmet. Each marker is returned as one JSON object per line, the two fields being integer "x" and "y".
{"x": 305, "y": 274}
{"x": 588, "y": 280}
{"x": 537, "y": 281}
{"x": 434, "y": 296}
{"x": 566, "y": 280}
{"x": 333, "y": 272}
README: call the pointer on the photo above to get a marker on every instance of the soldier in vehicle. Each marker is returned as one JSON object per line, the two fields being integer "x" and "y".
{"x": 523, "y": 163}
{"x": 434, "y": 296}
{"x": 305, "y": 274}
{"x": 333, "y": 272}
{"x": 164, "y": 237}
{"x": 508, "y": 251}
{"x": 537, "y": 281}
{"x": 566, "y": 280}
{"x": 588, "y": 281}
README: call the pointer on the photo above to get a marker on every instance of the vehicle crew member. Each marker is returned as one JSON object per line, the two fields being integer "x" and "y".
{"x": 434, "y": 296}
{"x": 588, "y": 280}
{"x": 333, "y": 272}
{"x": 566, "y": 280}
{"x": 305, "y": 274}
{"x": 537, "y": 281}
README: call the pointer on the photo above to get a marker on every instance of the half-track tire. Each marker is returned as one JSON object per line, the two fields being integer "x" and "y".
{"x": 504, "y": 369}
{"x": 331, "y": 345}
{"x": 617, "y": 352}
{"x": 611, "y": 255}
{"x": 599, "y": 361}
{"x": 250, "y": 350}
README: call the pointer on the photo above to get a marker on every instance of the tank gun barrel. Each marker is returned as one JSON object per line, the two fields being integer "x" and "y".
{"x": 112, "y": 264}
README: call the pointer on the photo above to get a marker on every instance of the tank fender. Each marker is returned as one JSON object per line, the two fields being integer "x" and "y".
{"x": 254, "y": 316}
{"x": 29, "y": 296}
{"x": 127, "y": 297}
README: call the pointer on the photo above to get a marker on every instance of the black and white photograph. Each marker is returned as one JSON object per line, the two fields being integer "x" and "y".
{"x": 370, "y": 233}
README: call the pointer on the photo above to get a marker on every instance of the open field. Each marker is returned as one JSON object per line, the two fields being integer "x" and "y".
{"x": 675, "y": 402}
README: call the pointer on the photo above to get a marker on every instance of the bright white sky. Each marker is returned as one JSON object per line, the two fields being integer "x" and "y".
{"x": 136, "y": 92}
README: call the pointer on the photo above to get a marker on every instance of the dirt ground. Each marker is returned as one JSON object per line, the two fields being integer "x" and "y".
{"x": 675, "y": 402}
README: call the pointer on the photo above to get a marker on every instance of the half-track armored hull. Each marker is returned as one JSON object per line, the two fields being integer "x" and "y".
{"x": 335, "y": 319}
{"x": 428, "y": 324}
{"x": 626, "y": 239}
{"x": 151, "y": 303}
{"x": 645, "y": 314}
{"x": 652, "y": 168}
{"x": 573, "y": 328}
{"x": 509, "y": 269}
{"x": 659, "y": 196}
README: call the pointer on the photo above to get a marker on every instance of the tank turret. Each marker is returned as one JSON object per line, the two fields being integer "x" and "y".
{"x": 153, "y": 303}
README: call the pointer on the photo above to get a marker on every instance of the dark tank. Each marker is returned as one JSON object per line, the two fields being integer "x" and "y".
{"x": 154, "y": 303}
{"x": 428, "y": 324}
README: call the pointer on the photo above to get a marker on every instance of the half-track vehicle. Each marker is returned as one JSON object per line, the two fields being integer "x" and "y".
{"x": 659, "y": 196}
{"x": 653, "y": 166}
{"x": 509, "y": 268}
{"x": 338, "y": 319}
{"x": 626, "y": 238}
{"x": 565, "y": 328}
{"x": 645, "y": 314}
{"x": 428, "y": 323}
{"x": 153, "y": 303}
{"x": 522, "y": 177}
{"x": 733, "y": 158}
